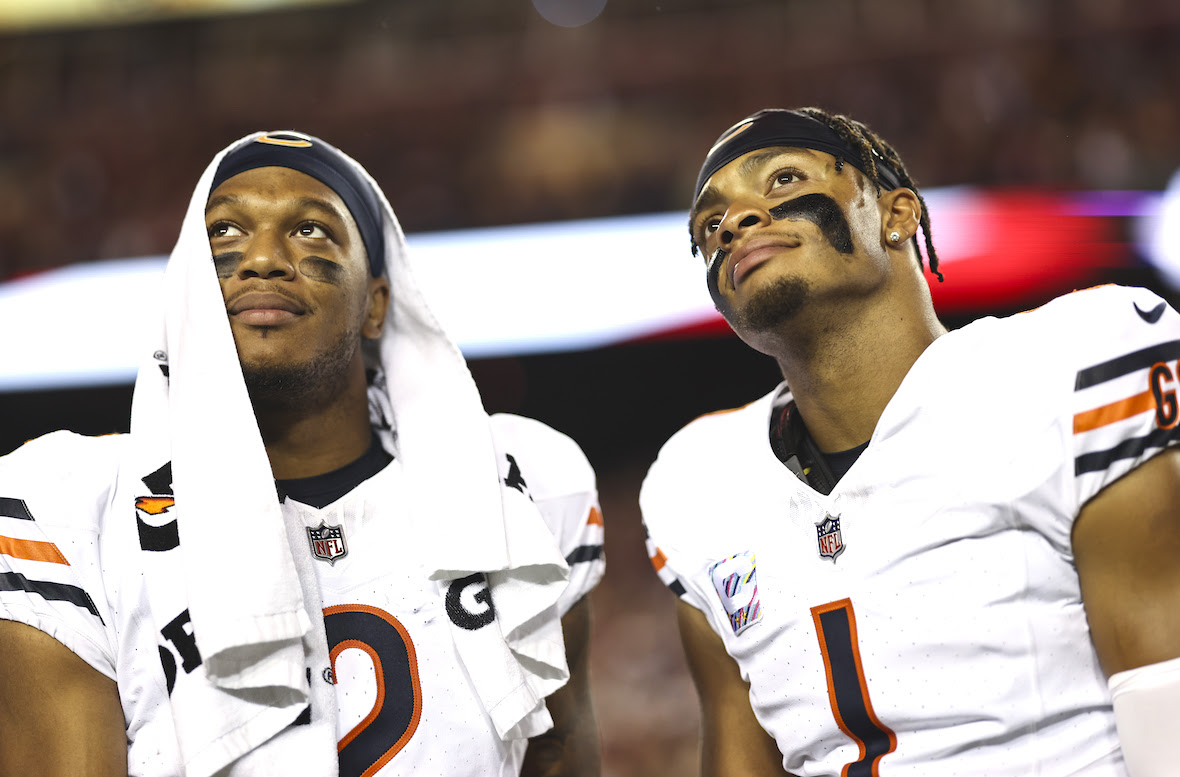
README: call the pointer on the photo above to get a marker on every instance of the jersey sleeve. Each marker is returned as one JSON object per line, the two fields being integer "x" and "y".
{"x": 673, "y": 563}
{"x": 552, "y": 470}
{"x": 676, "y": 514}
{"x": 1125, "y": 408}
{"x": 53, "y": 494}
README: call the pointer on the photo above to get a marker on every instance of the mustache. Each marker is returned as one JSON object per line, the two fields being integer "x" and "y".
{"x": 822, "y": 211}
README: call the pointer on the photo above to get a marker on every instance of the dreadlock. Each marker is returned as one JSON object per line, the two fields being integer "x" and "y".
{"x": 859, "y": 136}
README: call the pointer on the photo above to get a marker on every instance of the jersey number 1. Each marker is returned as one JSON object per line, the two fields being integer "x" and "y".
{"x": 835, "y": 623}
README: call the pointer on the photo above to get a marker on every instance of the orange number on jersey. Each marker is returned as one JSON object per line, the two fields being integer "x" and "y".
{"x": 835, "y": 623}
{"x": 395, "y": 715}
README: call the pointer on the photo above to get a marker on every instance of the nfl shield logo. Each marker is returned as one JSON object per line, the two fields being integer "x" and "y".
{"x": 327, "y": 542}
{"x": 831, "y": 541}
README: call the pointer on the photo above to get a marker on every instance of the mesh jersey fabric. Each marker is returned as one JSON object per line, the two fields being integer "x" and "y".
{"x": 945, "y": 617}
{"x": 377, "y": 601}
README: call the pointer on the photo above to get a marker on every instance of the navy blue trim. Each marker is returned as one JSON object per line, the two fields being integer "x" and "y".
{"x": 61, "y": 592}
{"x": 1126, "y": 364}
{"x": 584, "y": 553}
{"x": 319, "y": 491}
{"x": 849, "y": 687}
{"x": 15, "y": 508}
{"x": 1097, "y": 461}
{"x": 158, "y": 538}
{"x": 159, "y": 483}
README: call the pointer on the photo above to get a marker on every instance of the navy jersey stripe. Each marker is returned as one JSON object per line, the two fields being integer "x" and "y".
{"x": 15, "y": 508}
{"x": 584, "y": 553}
{"x": 1126, "y": 364}
{"x": 677, "y": 588}
{"x": 62, "y": 592}
{"x": 160, "y": 481}
{"x": 849, "y": 692}
{"x": 1096, "y": 461}
{"x": 158, "y": 538}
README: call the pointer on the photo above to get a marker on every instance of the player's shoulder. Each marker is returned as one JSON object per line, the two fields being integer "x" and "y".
{"x": 551, "y": 462}
{"x": 1055, "y": 343}
{"x": 1106, "y": 296}
{"x": 721, "y": 447}
{"x": 1109, "y": 316}
{"x": 63, "y": 473}
{"x": 68, "y": 452}
{"x": 697, "y": 445}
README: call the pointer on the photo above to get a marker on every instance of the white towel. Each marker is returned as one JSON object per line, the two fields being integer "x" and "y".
{"x": 238, "y": 575}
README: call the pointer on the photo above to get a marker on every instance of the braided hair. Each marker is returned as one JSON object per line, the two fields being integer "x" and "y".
{"x": 859, "y": 136}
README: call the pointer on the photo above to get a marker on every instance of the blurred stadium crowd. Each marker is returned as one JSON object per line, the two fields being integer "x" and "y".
{"x": 474, "y": 113}
{"x": 479, "y": 112}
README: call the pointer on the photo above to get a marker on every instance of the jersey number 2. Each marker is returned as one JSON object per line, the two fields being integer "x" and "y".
{"x": 398, "y": 708}
{"x": 835, "y": 623}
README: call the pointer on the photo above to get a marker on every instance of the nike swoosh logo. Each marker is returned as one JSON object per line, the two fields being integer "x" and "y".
{"x": 1153, "y": 315}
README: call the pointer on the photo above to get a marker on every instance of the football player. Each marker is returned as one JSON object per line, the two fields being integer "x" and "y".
{"x": 926, "y": 552}
{"x": 315, "y": 553}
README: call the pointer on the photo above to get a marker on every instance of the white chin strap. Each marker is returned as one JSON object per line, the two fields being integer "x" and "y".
{"x": 1147, "y": 713}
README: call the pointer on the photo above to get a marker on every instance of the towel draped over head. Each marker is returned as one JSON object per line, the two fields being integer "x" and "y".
{"x": 236, "y": 577}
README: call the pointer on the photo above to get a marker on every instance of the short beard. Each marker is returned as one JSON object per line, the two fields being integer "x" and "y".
{"x": 294, "y": 386}
{"x": 771, "y": 306}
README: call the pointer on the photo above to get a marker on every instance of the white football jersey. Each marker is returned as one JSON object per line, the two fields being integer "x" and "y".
{"x": 404, "y": 703}
{"x": 925, "y": 619}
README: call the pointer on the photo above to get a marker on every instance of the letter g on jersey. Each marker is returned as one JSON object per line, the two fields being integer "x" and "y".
{"x": 458, "y": 611}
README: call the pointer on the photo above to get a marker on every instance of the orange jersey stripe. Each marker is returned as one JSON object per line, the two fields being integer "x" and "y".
{"x": 595, "y": 518}
{"x": 31, "y": 550}
{"x": 1113, "y": 413}
{"x": 659, "y": 560}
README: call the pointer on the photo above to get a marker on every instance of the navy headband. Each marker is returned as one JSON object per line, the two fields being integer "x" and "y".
{"x": 328, "y": 166}
{"x": 778, "y": 127}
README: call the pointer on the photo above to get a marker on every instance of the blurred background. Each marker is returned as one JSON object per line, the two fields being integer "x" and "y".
{"x": 542, "y": 154}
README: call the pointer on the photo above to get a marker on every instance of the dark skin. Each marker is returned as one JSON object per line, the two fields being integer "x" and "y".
{"x": 59, "y": 715}
{"x": 570, "y": 748}
{"x": 296, "y": 282}
{"x": 733, "y": 743}
{"x": 866, "y": 313}
{"x": 859, "y": 320}
{"x": 282, "y": 238}
{"x": 62, "y": 718}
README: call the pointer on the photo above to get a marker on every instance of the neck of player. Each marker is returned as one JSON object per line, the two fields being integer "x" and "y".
{"x": 320, "y": 434}
{"x": 844, "y": 365}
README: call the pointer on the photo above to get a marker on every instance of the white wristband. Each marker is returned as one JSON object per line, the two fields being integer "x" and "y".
{"x": 1147, "y": 713}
